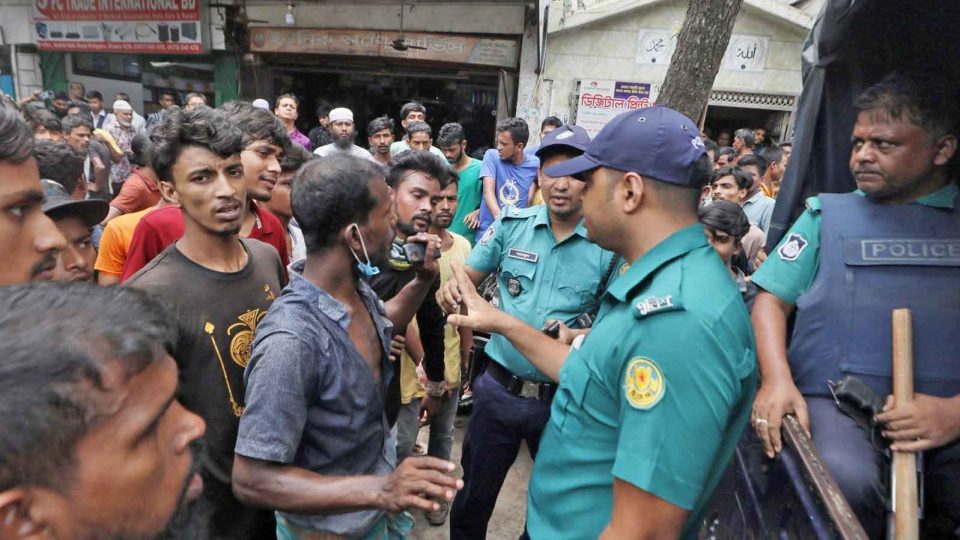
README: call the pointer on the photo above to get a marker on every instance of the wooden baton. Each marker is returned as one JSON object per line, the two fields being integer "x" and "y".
{"x": 906, "y": 491}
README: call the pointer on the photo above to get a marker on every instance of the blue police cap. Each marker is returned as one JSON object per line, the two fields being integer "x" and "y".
{"x": 566, "y": 135}
{"x": 657, "y": 142}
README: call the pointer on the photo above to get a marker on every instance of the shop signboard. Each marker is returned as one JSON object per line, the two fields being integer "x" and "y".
{"x": 599, "y": 101}
{"x": 127, "y": 26}
{"x": 452, "y": 48}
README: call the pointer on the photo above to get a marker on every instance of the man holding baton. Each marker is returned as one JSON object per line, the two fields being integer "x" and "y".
{"x": 847, "y": 262}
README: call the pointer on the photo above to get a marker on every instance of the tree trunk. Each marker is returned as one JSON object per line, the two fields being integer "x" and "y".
{"x": 703, "y": 41}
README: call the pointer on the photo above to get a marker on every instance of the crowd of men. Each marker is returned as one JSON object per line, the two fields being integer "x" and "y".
{"x": 265, "y": 319}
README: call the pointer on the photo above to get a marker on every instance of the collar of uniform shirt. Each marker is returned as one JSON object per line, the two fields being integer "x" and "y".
{"x": 945, "y": 197}
{"x": 677, "y": 244}
{"x": 543, "y": 220}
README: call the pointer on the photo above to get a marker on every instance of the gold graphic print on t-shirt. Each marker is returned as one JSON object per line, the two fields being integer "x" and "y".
{"x": 241, "y": 338}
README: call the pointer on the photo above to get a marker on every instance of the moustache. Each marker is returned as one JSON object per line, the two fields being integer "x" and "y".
{"x": 49, "y": 262}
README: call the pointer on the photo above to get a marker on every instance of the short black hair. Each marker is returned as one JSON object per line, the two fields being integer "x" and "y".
{"x": 73, "y": 121}
{"x": 58, "y": 161}
{"x": 743, "y": 179}
{"x": 771, "y": 154}
{"x": 413, "y": 106}
{"x": 42, "y": 118}
{"x": 746, "y": 134}
{"x": 58, "y": 339}
{"x": 170, "y": 93}
{"x": 330, "y": 193}
{"x": 450, "y": 134}
{"x": 294, "y": 158}
{"x": 727, "y": 151}
{"x": 94, "y": 94}
{"x": 61, "y": 95}
{"x": 551, "y": 121}
{"x": 256, "y": 124}
{"x": 427, "y": 163}
{"x": 82, "y": 105}
{"x": 756, "y": 160}
{"x": 379, "y": 123}
{"x": 323, "y": 109}
{"x": 786, "y": 144}
{"x": 16, "y": 137}
{"x": 725, "y": 216}
{"x": 925, "y": 99}
{"x": 517, "y": 128}
{"x": 201, "y": 127}
{"x": 419, "y": 127}
{"x": 141, "y": 147}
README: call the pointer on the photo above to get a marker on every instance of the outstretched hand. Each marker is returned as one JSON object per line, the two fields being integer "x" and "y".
{"x": 479, "y": 314}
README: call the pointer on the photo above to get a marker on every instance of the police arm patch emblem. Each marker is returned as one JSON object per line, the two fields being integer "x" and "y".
{"x": 643, "y": 385}
{"x": 791, "y": 249}
{"x": 487, "y": 235}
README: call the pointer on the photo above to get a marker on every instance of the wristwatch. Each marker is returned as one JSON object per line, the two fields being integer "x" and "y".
{"x": 436, "y": 388}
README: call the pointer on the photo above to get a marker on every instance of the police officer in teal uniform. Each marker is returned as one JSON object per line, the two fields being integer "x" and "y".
{"x": 653, "y": 400}
{"x": 844, "y": 266}
{"x": 548, "y": 270}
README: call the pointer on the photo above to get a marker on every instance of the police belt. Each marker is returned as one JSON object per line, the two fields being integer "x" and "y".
{"x": 520, "y": 387}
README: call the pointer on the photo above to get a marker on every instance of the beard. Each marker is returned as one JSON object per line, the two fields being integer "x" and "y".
{"x": 345, "y": 142}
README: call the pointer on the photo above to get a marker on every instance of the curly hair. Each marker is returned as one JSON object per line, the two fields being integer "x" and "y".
{"x": 58, "y": 161}
{"x": 204, "y": 127}
{"x": 256, "y": 124}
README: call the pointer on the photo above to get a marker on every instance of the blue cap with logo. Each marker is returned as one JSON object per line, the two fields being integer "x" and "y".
{"x": 655, "y": 141}
{"x": 565, "y": 135}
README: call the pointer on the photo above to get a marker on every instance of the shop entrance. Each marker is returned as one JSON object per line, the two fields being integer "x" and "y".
{"x": 730, "y": 119}
{"x": 450, "y": 95}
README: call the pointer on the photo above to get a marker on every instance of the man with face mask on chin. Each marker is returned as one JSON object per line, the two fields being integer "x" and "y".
{"x": 320, "y": 451}
{"x": 344, "y": 132}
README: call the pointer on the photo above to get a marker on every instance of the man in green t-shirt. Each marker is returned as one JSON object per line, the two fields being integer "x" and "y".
{"x": 453, "y": 143}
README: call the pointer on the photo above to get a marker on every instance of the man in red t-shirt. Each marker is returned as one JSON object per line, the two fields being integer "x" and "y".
{"x": 267, "y": 140}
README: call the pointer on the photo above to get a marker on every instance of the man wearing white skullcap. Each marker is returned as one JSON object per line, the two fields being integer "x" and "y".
{"x": 123, "y": 131}
{"x": 342, "y": 128}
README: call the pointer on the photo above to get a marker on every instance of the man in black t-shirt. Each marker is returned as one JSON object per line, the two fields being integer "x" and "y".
{"x": 223, "y": 286}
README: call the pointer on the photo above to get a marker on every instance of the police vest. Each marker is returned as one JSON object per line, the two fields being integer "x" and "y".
{"x": 875, "y": 258}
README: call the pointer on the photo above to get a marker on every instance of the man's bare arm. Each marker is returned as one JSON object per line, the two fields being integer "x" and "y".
{"x": 292, "y": 489}
{"x": 490, "y": 196}
{"x": 641, "y": 515}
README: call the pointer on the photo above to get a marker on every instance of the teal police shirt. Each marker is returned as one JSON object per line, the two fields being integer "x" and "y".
{"x": 540, "y": 279}
{"x": 790, "y": 270}
{"x": 657, "y": 394}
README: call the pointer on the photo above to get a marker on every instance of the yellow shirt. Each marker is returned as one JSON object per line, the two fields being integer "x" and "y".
{"x": 410, "y": 386}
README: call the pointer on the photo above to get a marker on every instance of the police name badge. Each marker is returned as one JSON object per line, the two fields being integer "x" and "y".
{"x": 643, "y": 385}
{"x": 791, "y": 249}
{"x": 487, "y": 235}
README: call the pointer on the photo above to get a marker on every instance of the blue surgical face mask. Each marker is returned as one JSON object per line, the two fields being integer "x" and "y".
{"x": 365, "y": 268}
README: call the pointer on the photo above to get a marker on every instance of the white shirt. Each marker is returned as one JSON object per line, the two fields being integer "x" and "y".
{"x": 354, "y": 151}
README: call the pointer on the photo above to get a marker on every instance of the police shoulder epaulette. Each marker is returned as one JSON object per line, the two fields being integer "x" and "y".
{"x": 645, "y": 305}
{"x": 512, "y": 212}
{"x": 813, "y": 204}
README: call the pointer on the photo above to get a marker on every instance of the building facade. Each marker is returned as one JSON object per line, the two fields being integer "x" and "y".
{"x": 607, "y": 56}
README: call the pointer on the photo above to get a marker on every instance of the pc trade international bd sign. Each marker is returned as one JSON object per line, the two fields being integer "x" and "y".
{"x": 127, "y": 26}
{"x": 452, "y": 48}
